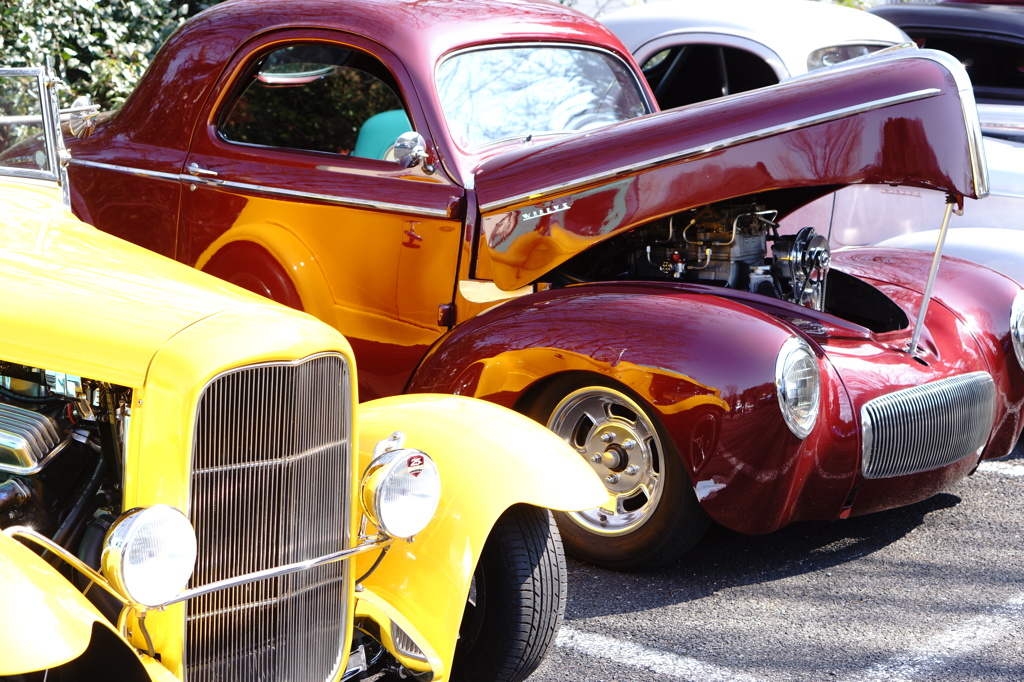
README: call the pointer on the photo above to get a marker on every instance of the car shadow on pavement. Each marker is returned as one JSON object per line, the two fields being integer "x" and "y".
{"x": 725, "y": 559}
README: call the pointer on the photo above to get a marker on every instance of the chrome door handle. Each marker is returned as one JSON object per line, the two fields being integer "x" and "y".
{"x": 194, "y": 169}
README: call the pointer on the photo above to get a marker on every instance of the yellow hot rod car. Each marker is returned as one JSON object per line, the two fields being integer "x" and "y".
{"x": 190, "y": 490}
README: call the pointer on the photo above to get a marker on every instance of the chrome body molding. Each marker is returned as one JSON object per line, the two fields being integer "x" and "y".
{"x": 130, "y": 171}
{"x": 263, "y": 190}
{"x": 928, "y": 426}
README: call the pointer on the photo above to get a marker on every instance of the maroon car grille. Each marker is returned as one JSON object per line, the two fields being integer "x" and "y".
{"x": 926, "y": 427}
{"x": 269, "y": 487}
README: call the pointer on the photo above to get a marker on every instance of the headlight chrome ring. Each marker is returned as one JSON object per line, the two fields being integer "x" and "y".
{"x": 798, "y": 385}
{"x": 149, "y": 554}
{"x": 1017, "y": 327}
{"x": 400, "y": 491}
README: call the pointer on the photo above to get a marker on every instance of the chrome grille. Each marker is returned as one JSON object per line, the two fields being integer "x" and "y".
{"x": 269, "y": 487}
{"x": 926, "y": 427}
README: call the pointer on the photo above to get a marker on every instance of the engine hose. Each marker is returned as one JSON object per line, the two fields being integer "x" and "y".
{"x": 32, "y": 400}
{"x": 73, "y": 523}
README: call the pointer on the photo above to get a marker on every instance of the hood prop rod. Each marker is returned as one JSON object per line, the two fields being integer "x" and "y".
{"x": 936, "y": 258}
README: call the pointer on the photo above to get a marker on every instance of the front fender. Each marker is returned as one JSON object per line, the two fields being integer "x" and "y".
{"x": 48, "y": 623}
{"x": 702, "y": 362}
{"x": 979, "y": 296}
{"x": 490, "y": 459}
{"x": 1001, "y": 249}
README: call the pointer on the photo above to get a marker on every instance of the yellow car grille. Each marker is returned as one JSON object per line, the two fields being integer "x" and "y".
{"x": 270, "y": 487}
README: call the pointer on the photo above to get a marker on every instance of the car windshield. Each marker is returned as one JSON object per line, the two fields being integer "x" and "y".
{"x": 525, "y": 92}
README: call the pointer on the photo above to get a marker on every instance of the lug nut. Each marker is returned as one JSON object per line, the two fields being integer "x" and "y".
{"x": 611, "y": 478}
{"x": 632, "y": 470}
{"x": 596, "y": 459}
{"x": 629, "y": 444}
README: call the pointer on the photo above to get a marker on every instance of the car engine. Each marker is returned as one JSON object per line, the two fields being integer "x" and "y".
{"x": 719, "y": 245}
{"x": 60, "y": 464}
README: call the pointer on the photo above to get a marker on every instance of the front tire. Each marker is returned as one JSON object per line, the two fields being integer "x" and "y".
{"x": 653, "y": 517}
{"x": 516, "y": 602}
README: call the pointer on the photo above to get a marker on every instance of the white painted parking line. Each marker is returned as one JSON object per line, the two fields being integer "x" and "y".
{"x": 941, "y": 650}
{"x": 1002, "y": 468}
{"x": 637, "y": 656}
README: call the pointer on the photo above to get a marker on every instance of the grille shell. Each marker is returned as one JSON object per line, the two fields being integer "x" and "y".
{"x": 928, "y": 426}
{"x": 270, "y": 486}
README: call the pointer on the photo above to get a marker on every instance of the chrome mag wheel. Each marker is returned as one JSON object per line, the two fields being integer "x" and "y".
{"x": 617, "y": 438}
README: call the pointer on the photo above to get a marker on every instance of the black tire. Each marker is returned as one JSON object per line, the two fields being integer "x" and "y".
{"x": 250, "y": 266}
{"x": 517, "y": 601}
{"x": 657, "y": 517}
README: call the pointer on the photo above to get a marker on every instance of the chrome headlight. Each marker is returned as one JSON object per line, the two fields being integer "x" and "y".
{"x": 400, "y": 491}
{"x": 1017, "y": 326}
{"x": 798, "y": 384}
{"x": 149, "y": 554}
{"x": 836, "y": 54}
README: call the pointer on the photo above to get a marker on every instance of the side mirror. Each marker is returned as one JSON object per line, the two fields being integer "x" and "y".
{"x": 82, "y": 117}
{"x": 410, "y": 150}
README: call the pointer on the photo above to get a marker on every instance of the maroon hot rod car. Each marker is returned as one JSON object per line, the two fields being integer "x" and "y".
{"x": 483, "y": 197}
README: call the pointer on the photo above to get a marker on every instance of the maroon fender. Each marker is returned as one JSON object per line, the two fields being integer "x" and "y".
{"x": 703, "y": 364}
{"x": 986, "y": 317}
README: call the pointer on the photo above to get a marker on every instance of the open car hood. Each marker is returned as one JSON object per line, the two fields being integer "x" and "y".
{"x": 902, "y": 117}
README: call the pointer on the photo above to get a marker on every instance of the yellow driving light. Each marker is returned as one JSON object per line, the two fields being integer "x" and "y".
{"x": 149, "y": 554}
{"x": 400, "y": 491}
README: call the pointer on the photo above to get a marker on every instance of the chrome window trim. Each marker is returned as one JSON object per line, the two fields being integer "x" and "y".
{"x": 695, "y": 152}
{"x": 266, "y": 191}
{"x": 53, "y": 141}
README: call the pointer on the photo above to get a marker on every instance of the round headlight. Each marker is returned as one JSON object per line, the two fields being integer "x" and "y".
{"x": 400, "y": 492}
{"x": 1017, "y": 326}
{"x": 836, "y": 54}
{"x": 798, "y": 383}
{"x": 149, "y": 554}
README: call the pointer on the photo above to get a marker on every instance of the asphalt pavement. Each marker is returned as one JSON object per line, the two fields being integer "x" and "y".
{"x": 932, "y": 592}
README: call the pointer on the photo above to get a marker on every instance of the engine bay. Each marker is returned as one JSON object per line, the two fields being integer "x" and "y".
{"x": 737, "y": 246}
{"x": 61, "y": 439}
{"x": 724, "y": 245}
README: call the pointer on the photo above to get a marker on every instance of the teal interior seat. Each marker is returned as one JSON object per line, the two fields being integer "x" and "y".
{"x": 378, "y": 134}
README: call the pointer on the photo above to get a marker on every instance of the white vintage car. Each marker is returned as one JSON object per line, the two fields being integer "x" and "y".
{"x": 692, "y": 51}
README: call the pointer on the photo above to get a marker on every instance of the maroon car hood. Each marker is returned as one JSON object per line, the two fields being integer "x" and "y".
{"x": 905, "y": 117}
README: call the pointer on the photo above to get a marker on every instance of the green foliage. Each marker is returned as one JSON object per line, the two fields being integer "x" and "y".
{"x": 99, "y": 47}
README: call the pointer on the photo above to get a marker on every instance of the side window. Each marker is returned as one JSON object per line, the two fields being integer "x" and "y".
{"x": 697, "y": 72}
{"x": 996, "y": 68}
{"x": 317, "y": 97}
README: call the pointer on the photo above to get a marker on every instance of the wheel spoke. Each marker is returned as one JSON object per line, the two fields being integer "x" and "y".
{"x": 596, "y": 411}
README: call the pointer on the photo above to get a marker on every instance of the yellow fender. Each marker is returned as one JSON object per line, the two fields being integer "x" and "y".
{"x": 489, "y": 458}
{"x": 54, "y": 621}
{"x": 48, "y": 622}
